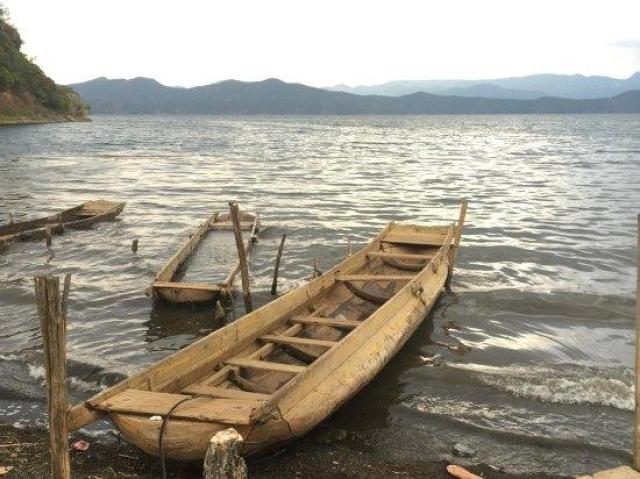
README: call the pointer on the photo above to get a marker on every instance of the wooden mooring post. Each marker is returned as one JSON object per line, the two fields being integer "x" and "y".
{"x": 47, "y": 237}
{"x": 453, "y": 251}
{"x": 223, "y": 459}
{"x": 52, "y": 310}
{"x": 274, "y": 283}
{"x": 636, "y": 426}
{"x": 134, "y": 246}
{"x": 242, "y": 257}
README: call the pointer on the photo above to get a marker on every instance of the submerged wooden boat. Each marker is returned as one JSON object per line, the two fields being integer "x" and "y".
{"x": 277, "y": 372}
{"x": 81, "y": 216}
{"x": 168, "y": 287}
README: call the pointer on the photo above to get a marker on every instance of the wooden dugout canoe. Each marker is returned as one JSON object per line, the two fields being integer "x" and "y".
{"x": 277, "y": 372}
{"x": 166, "y": 286}
{"x": 81, "y": 216}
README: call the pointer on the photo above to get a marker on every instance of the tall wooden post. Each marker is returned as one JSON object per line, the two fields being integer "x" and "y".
{"x": 47, "y": 236}
{"x": 453, "y": 251}
{"x": 242, "y": 258}
{"x": 274, "y": 283}
{"x": 52, "y": 312}
{"x": 636, "y": 428}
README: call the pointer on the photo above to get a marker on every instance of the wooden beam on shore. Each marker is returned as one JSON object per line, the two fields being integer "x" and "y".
{"x": 242, "y": 257}
{"x": 52, "y": 312}
{"x": 274, "y": 283}
{"x": 636, "y": 428}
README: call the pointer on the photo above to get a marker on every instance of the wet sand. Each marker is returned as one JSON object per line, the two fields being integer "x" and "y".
{"x": 332, "y": 456}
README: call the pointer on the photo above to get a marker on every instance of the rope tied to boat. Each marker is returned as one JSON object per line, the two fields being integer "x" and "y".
{"x": 161, "y": 436}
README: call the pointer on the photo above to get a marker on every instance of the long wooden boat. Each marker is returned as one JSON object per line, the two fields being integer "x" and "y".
{"x": 166, "y": 284}
{"x": 81, "y": 216}
{"x": 277, "y": 372}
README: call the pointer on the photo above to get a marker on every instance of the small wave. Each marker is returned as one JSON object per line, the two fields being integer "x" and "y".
{"x": 563, "y": 383}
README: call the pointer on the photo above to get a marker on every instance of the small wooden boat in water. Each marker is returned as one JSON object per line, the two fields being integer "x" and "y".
{"x": 277, "y": 372}
{"x": 81, "y": 216}
{"x": 167, "y": 286}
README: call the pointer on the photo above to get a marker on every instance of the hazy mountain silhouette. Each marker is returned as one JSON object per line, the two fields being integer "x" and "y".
{"x": 564, "y": 86}
{"x": 146, "y": 96}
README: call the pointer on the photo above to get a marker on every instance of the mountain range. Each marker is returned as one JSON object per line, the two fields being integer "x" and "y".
{"x": 275, "y": 97}
{"x": 522, "y": 88}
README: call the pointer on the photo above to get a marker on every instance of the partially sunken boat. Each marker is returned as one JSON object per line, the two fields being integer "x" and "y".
{"x": 277, "y": 372}
{"x": 84, "y": 215}
{"x": 166, "y": 284}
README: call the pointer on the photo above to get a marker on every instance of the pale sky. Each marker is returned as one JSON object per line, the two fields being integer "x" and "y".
{"x": 322, "y": 43}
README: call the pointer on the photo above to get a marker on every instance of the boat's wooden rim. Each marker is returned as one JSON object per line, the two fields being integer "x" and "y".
{"x": 192, "y": 286}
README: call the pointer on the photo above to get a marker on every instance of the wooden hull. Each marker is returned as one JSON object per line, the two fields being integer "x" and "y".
{"x": 177, "y": 295}
{"x": 168, "y": 288}
{"x": 277, "y": 372}
{"x": 79, "y": 217}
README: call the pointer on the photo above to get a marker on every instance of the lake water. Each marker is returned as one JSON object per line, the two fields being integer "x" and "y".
{"x": 543, "y": 296}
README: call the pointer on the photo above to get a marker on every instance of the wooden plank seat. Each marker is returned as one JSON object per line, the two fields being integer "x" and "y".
{"x": 335, "y": 323}
{"x": 153, "y": 403}
{"x": 374, "y": 277}
{"x": 225, "y": 393}
{"x": 415, "y": 239}
{"x": 384, "y": 254}
{"x": 296, "y": 341}
{"x": 265, "y": 365}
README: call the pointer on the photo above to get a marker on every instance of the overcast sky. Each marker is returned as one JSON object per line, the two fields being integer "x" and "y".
{"x": 321, "y": 43}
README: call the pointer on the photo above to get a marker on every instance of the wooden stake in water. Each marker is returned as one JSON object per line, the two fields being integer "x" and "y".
{"x": 453, "y": 252}
{"x": 134, "y": 245}
{"x": 47, "y": 236}
{"x": 636, "y": 429}
{"x": 242, "y": 258}
{"x": 52, "y": 312}
{"x": 274, "y": 283}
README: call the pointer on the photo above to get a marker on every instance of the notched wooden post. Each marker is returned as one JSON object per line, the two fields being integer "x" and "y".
{"x": 223, "y": 459}
{"x": 636, "y": 428}
{"x": 274, "y": 283}
{"x": 453, "y": 251}
{"x": 242, "y": 258}
{"x": 52, "y": 310}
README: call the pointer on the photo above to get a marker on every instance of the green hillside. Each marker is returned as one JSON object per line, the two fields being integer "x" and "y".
{"x": 26, "y": 93}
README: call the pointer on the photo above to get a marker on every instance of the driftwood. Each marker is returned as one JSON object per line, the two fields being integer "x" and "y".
{"x": 52, "y": 311}
{"x": 223, "y": 459}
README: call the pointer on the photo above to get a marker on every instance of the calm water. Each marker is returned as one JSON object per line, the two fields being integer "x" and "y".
{"x": 543, "y": 301}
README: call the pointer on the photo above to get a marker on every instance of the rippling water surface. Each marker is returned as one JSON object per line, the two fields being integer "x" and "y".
{"x": 533, "y": 350}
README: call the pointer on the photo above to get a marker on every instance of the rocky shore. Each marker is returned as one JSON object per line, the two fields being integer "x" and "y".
{"x": 24, "y": 454}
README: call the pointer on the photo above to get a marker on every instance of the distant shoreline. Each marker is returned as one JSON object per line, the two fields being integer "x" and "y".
{"x": 275, "y": 97}
{"x": 39, "y": 121}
